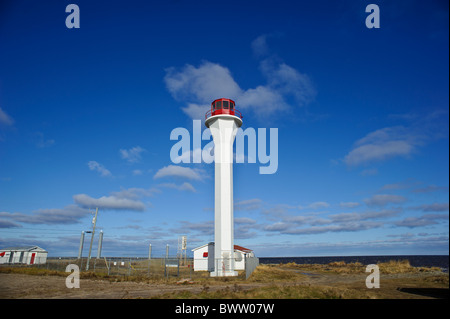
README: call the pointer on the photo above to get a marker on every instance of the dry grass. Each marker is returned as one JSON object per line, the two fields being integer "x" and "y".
{"x": 341, "y": 267}
{"x": 280, "y": 281}
{"x": 291, "y": 281}
{"x": 274, "y": 273}
{"x": 135, "y": 276}
{"x": 35, "y": 271}
{"x": 30, "y": 271}
{"x": 266, "y": 273}
{"x": 271, "y": 292}
{"x": 403, "y": 266}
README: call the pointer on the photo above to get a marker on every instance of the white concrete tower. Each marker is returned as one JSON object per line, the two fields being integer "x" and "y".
{"x": 223, "y": 120}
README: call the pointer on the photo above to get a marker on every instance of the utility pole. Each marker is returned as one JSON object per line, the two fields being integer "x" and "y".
{"x": 94, "y": 222}
{"x": 100, "y": 243}
{"x": 80, "y": 250}
{"x": 181, "y": 252}
{"x": 149, "y": 251}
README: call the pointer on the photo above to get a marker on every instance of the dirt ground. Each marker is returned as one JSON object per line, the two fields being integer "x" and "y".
{"x": 17, "y": 286}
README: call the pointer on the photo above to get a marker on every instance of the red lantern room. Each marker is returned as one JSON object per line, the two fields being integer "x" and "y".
{"x": 223, "y": 106}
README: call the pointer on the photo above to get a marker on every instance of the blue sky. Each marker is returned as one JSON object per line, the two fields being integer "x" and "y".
{"x": 362, "y": 117}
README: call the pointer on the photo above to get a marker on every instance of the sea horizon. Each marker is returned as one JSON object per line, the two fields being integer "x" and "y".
{"x": 441, "y": 261}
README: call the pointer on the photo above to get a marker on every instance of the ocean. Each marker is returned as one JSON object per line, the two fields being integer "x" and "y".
{"x": 440, "y": 261}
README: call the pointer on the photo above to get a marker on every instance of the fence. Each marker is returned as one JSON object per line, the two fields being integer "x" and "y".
{"x": 155, "y": 268}
{"x": 140, "y": 267}
{"x": 250, "y": 265}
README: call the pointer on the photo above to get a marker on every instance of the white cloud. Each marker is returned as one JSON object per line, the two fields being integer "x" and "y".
{"x": 343, "y": 227}
{"x": 412, "y": 222}
{"x": 378, "y": 152}
{"x": 68, "y": 215}
{"x": 196, "y": 111}
{"x": 315, "y": 205}
{"x": 400, "y": 185}
{"x": 435, "y": 207}
{"x": 5, "y": 119}
{"x": 179, "y": 171}
{"x": 286, "y": 222}
{"x": 278, "y": 226}
{"x": 249, "y": 204}
{"x": 133, "y": 155}
{"x": 431, "y": 188}
{"x": 369, "y": 172}
{"x": 400, "y": 141}
{"x": 200, "y": 229}
{"x": 349, "y": 204}
{"x": 319, "y": 205}
{"x": 262, "y": 96}
{"x": 135, "y": 192}
{"x": 286, "y": 80}
{"x": 203, "y": 84}
{"x": 108, "y": 202}
{"x": 7, "y": 223}
{"x": 42, "y": 142}
{"x": 348, "y": 217}
{"x": 387, "y": 143}
{"x": 183, "y": 187}
{"x": 384, "y": 199}
{"x": 199, "y": 86}
{"x": 244, "y": 221}
{"x": 95, "y": 166}
{"x": 259, "y": 45}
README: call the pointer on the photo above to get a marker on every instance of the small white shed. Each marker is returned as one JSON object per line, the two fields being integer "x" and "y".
{"x": 204, "y": 257}
{"x": 30, "y": 255}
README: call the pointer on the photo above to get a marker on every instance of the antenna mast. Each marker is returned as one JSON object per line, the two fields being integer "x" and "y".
{"x": 94, "y": 222}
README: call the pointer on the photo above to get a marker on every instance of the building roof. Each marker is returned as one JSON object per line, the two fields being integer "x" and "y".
{"x": 236, "y": 247}
{"x": 25, "y": 248}
{"x": 197, "y": 248}
{"x": 243, "y": 249}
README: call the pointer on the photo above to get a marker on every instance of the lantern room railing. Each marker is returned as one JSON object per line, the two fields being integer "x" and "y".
{"x": 223, "y": 111}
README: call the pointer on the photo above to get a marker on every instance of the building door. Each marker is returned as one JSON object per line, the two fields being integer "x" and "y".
{"x": 11, "y": 257}
{"x": 32, "y": 258}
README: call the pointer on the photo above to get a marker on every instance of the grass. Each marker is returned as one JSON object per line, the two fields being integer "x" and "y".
{"x": 279, "y": 281}
{"x": 264, "y": 273}
{"x": 274, "y": 273}
{"x": 275, "y": 291}
{"x": 289, "y": 281}
{"x": 341, "y": 267}
{"x": 35, "y": 271}
{"x": 403, "y": 266}
{"x": 135, "y": 276}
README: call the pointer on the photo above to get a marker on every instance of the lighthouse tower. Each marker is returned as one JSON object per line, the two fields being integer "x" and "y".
{"x": 223, "y": 120}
